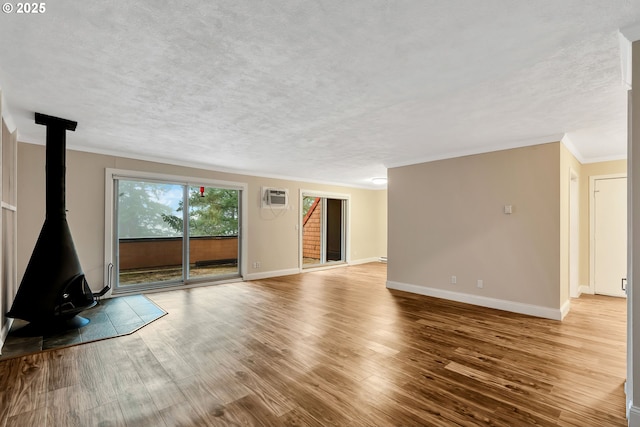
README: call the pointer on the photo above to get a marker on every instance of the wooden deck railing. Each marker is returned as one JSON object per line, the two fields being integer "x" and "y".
{"x": 167, "y": 251}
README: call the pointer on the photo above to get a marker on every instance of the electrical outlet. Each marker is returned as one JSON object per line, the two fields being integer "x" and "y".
{"x": 454, "y": 280}
{"x": 256, "y": 264}
{"x": 480, "y": 283}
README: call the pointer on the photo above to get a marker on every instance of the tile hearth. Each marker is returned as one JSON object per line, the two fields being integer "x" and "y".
{"x": 110, "y": 318}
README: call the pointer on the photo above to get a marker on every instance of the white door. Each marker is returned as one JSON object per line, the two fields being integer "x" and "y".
{"x": 610, "y": 240}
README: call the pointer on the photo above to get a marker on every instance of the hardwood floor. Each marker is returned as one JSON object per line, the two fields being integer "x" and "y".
{"x": 331, "y": 348}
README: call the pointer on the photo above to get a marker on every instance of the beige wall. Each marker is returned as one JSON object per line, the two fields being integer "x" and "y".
{"x": 589, "y": 170}
{"x": 457, "y": 228}
{"x": 568, "y": 163}
{"x": 446, "y": 218}
{"x": 8, "y": 273}
{"x": 272, "y": 236}
{"x": 6, "y": 294}
{"x": 382, "y": 209}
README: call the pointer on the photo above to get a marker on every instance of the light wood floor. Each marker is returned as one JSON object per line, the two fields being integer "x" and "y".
{"x": 330, "y": 348}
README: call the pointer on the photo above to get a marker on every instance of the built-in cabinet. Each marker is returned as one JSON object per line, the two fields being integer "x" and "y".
{"x": 8, "y": 219}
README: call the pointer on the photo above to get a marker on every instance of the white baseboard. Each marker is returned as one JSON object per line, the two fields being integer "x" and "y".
{"x": 290, "y": 271}
{"x": 585, "y": 290}
{"x": 364, "y": 261}
{"x": 323, "y": 267}
{"x": 4, "y": 333}
{"x": 634, "y": 416}
{"x": 270, "y": 274}
{"x": 515, "y": 307}
{"x": 564, "y": 310}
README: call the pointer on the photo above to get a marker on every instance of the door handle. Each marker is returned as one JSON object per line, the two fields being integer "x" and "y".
{"x": 624, "y": 284}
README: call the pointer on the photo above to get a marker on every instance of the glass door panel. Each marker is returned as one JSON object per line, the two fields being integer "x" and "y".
{"x": 311, "y": 230}
{"x": 334, "y": 230}
{"x": 213, "y": 232}
{"x": 149, "y": 234}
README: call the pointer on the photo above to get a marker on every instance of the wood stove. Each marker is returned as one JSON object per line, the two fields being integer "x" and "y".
{"x": 54, "y": 289}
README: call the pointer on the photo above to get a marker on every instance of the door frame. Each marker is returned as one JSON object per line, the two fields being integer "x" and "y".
{"x": 110, "y": 219}
{"x": 574, "y": 234}
{"x": 346, "y": 214}
{"x": 592, "y": 227}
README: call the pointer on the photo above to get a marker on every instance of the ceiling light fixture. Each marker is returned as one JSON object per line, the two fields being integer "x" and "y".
{"x": 379, "y": 180}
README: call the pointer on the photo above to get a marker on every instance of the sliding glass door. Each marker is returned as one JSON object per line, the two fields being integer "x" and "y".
{"x": 172, "y": 233}
{"x": 323, "y": 230}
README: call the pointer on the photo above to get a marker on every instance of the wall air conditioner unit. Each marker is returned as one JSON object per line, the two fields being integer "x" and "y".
{"x": 275, "y": 198}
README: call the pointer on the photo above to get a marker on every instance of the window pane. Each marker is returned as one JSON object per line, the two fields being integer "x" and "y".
{"x": 213, "y": 231}
{"x": 311, "y": 230}
{"x": 334, "y": 230}
{"x": 149, "y": 223}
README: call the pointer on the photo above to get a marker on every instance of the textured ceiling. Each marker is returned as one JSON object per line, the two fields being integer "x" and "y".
{"x": 322, "y": 91}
